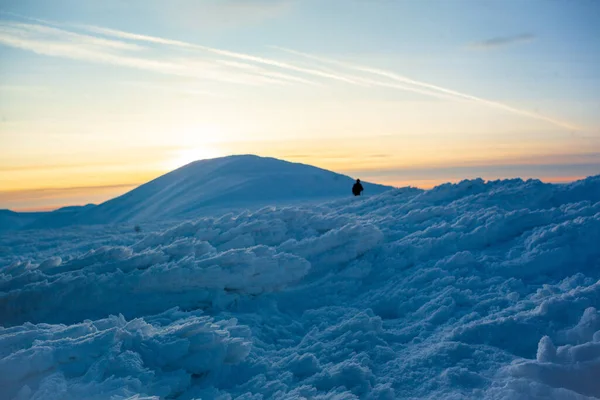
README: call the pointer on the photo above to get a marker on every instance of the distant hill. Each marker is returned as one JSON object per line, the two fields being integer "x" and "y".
{"x": 228, "y": 182}
{"x": 11, "y": 220}
{"x": 204, "y": 186}
{"x": 74, "y": 208}
{"x": 58, "y": 218}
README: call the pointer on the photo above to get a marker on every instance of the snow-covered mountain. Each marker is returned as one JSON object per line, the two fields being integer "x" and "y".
{"x": 476, "y": 290}
{"x": 203, "y": 187}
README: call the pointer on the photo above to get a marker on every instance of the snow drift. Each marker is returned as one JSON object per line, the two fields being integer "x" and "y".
{"x": 474, "y": 290}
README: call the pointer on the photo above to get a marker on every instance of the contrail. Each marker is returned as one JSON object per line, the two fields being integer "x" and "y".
{"x": 466, "y": 96}
{"x": 402, "y": 82}
{"x": 227, "y": 53}
{"x": 438, "y": 89}
{"x": 181, "y": 44}
{"x": 354, "y": 80}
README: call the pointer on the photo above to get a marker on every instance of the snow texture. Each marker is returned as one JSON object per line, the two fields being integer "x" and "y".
{"x": 476, "y": 290}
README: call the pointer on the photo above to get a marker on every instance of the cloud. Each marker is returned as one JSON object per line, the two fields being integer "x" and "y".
{"x": 58, "y": 41}
{"x": 52, "y": 41}
{"x": 13, "y": 198}
{"x": 208, "y": 63}
{"x": 115, "y": 33}
{"x": 502, "y": 41}
{"x": 68, "y": 189}
{"x": 576, "y": 164}
{"x": 408, "y": 84}
{"x": 53, "y": 198}
{"x": 16, "y": 28}
{"x": 438, "y": 175}
{"x": 220, "y": 52}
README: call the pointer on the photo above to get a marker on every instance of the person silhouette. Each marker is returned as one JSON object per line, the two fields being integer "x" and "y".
{"x": 357, "y": 188}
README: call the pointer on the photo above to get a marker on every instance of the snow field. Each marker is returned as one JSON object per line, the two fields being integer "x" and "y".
{"x": 474, "y": 290}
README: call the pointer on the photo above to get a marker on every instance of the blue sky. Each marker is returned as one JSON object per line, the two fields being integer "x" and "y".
{"x": 99, "y": 95}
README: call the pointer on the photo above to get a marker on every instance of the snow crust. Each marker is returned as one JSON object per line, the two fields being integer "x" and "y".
{"x": 472, "y": 290}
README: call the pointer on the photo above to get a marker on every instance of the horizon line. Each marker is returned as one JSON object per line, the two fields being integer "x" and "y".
{"x": 435, "y": 183}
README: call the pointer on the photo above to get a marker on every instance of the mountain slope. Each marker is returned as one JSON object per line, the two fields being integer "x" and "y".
{"x": 228, "y": 182}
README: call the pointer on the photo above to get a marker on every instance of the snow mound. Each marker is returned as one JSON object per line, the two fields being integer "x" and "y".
{"x": 233, "y": 182}
{"x": 114, "y": 358}
{"x": 483, "y": 290}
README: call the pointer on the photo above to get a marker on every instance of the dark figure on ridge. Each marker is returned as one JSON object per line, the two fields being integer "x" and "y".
{"x": 357, "y": 188}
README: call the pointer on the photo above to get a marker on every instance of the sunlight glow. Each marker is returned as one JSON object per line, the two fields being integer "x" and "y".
{"x": 185, "y": 156}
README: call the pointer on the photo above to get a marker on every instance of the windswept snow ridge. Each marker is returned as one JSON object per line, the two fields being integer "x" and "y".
{"x": 474, "y": 290}
{"x": 113, "y": 356}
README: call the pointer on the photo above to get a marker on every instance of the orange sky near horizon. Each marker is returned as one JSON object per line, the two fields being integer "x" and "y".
{"x": 86, "y": 177}
{"x": 71, "y": 184}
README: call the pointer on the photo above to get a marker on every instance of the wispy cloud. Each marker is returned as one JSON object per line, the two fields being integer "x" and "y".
{"x": 502, "y": 41}
{"x": 56, "y": 42}
{"x": 70, "y": 188}
{"x": 111, "y": 46}
{"x": 265, "y": 75}
{"x": 119, "y": 50}
{"x": 405, "y": 83}
{"x": 52, "y": 198}
{"x": 132, "y": 36}
{"x": 220, "y": 52}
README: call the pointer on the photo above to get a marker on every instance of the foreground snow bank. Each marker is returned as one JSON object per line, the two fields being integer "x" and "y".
{"x": 474, "y": 290}
{"x": 114, "y": 358}
{"x": 567, "y": 371}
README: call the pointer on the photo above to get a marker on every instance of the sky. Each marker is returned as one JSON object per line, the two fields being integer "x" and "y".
{"x": 98, "y": 97}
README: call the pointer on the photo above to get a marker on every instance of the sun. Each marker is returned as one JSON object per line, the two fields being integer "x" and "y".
{"x": 185, "y": 156}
